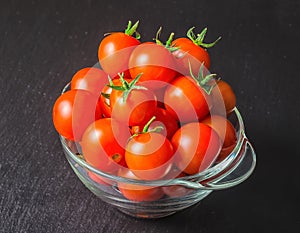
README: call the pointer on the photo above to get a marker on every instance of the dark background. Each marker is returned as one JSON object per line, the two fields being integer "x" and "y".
{"x": 43, "y": 43}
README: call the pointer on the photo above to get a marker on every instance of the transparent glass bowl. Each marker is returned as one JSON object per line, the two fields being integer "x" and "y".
{"x": 233, "y": 170}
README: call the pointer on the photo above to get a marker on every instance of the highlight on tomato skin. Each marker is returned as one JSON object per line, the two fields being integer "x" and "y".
{"x": 138, "y": 193}
{"x": 115, "y": 49}
{"x": 149, "y": 155}
{"x": 136, "y": 110}
{"x": 91, "y": 79}
{"x": 73, "y": 111}
{"x": 196, "y": 147}
{"x": 180, "y": 103}
{"x": 155, "y": 62}
{"x": 103, "y": 144}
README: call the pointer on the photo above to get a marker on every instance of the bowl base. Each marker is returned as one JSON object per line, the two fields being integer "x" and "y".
{"x": 146, "y": 215}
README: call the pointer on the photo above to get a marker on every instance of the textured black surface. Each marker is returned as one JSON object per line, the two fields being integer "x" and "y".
{"x": 42, "y": 44}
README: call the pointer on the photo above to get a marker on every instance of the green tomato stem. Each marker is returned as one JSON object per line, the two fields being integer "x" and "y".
{"x": 130, "y": 30}
{"x": 198, "y": 40}
{"x": 146, "y": 127}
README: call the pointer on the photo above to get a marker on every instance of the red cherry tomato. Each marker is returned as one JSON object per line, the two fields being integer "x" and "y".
{"x": 74, "y": 111}
{"x": 223, "y": 128}
{"x": 185, "y": 100}
{"x": 115, "y": 49}
{"x": 189, "y": 52}
{"x": 137, "y": 109}
{"x": 196, "y": 147}
{"x": 91, "y": 79}
{"x": 223, "y": 97}
{"x": 192, "y": 50}
{"x": 138, "y": 193}
{"x": 154, "y": 62}
{"x": 149, "y": 155}
{"x": 103, "y": 144}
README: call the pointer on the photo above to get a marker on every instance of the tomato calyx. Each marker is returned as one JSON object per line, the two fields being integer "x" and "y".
{"x": 204, "y": 81}
{"x": 127, "y": 87}
{"x": 168, "y": 44}
{"x": 145, "y": 130}
{"x": 199, "y": 38}
{"x": 130, "y": 30}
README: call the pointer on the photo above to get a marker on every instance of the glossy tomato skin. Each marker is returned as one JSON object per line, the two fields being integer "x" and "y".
{"x": 196, "y": 147}
{"x": 154, "y": 62}
{"x": 223, "y": 97}
{"x": 226, "y": 133}
{"x": 185, "y": 100}
{"x": 149, "y": 155}
{"x": 138, "y": 193}
{"x": 138, "y": 108}
{"x": 91, "y": 79}
{"x": 223, "y": 128}
{"x": 190, "y": 52}
{"x": 103, "y": 144}
{"x": 114, "y": 52}
{"x": 73, "y": 112}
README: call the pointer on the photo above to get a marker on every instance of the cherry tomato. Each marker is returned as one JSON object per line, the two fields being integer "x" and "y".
{"x": 135, "y": 192}
{"x": 196, "y": 147}
{"x": 103, "y": 144}
{"x": 136, "y": 109}
{"x": 192, "y": 50}
{"x": 185, "y": 100}
{"x": 163, "y": 119}
{"x": 105, "y": 101}
{"x": 154, "y": 62}
{"x": 73, "y": 111}
{"x": 149, "y": 155}
{"x": 190, "y": 53}
{"x": 223, "y": 128}
{"x": 91, "y": 79}
{"x": 223, "y": 97}
{"x": 115, "y": 49}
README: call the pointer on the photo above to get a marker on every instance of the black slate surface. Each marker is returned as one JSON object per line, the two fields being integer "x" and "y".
{"x": 43, "y": 43}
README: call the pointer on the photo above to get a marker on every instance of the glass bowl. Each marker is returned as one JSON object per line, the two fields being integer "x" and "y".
{"x": 180, "y": 193}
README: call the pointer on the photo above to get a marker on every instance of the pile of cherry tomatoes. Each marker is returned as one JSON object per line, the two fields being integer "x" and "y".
{"x": 152, "y": 111}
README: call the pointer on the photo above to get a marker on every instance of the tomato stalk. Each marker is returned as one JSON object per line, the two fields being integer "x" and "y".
{"x": 131, "y": 29}
{"x": 198, "y": 39}
{"x": 168, "y": 43}
{"x": 127, "y": 87}
{"x": 156, "y": 129}
{"x": 203, "y": 81}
